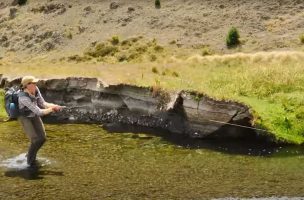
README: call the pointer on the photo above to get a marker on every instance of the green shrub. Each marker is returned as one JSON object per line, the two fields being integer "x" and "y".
{"x": 69, "y": 35}
{"x": 141, "y": 49}
{"x": 233, "y": 38}
{"x": 133, "y": 56}
{"x": 22, "y": 2}
{"x": 175, "y": 74}
{"x": 153, "y": 57}
{"x": 302, "y": 38}
{"x": 154, "y": 70}
{"x": 122, "y": 57}
{"x": 115, "y": 40}
{"x": 102, "y": 50}
{"x": 165, "y": 72}
{"x": 158, "y": 48}
{"x": 157, "y": 4}
{"x": 125, "y": 42}
{"x": 172, "y": 42}
{"x": 206, "y": 51}
{"x": 78, "y": 58}
{"x": 130, "y": 41}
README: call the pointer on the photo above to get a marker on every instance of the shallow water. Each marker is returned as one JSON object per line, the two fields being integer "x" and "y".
{"x": 86, "y": 162}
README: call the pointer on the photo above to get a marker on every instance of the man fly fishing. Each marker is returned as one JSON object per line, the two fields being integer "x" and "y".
{"x": 31, "y": 107}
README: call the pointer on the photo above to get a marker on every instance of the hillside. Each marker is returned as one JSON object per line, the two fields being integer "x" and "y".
{"x": 53, "y": 27}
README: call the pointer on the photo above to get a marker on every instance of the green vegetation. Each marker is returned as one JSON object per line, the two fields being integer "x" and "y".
{"x": 115, "y": 40}
{"x": 172, "y": 42}
{"x": 274, "y": 89}
{"x": 153, "y": 57}
{"x": 78, "y": 58}
{"x": 233, "y": 38}
{"x": 302, "y": 38}
{"x": 101, "y": 50}
{"x": 206, "y": 51}
{"x": 157, "y": 4}
{"x": 134, "y": 49}
{"x": 69, "y": 35}
{"x": 175, "y": 74}
{"x": 2, "y": 109}
{"x": 158, "y": 48}
{"x": 170, "y": 73}
{"x": 155, "y": 70}
{"x": 22, "y": 2}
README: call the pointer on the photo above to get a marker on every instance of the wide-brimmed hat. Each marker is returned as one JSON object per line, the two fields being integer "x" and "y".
{"x": 28, "y": 79}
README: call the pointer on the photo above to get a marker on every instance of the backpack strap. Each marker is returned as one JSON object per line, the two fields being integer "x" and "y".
{"x": 25, "y": 94}
{"x": 25, "y": 111}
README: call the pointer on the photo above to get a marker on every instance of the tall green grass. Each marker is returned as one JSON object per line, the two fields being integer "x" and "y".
{"x": 2, "y": 109}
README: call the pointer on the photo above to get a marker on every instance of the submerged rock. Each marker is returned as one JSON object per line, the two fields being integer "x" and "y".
{"x": 89, "y": 100}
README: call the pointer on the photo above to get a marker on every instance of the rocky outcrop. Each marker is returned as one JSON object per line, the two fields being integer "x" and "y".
{"x": 89, "y": 100}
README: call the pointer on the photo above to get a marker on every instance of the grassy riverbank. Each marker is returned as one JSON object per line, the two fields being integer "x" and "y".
{"x": 271, "y": 83}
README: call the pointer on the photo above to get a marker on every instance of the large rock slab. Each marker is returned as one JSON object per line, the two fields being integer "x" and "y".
{"x": 196, "y": 115}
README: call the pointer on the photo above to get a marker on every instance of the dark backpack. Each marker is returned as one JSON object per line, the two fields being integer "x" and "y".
{"x": 11, "y": 101}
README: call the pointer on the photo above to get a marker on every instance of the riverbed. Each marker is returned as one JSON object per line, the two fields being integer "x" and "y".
{"x": 87, "y": 162}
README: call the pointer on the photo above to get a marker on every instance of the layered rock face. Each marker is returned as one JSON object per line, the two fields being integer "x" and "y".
{"x": 89, "y": 100}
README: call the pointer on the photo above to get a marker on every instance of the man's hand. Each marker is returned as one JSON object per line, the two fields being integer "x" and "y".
{"x": 57, "y": 108}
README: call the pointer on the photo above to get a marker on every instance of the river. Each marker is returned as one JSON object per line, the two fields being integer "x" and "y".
{"x": 87, "y": 162}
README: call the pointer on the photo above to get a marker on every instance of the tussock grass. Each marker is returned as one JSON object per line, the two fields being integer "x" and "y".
{"x": 134, "y": 49}
{"x": 102, "y": 50}
{"x": 154, "y": 70}
{"x": 115, "y": 40}
{"x": 206, "y": 51}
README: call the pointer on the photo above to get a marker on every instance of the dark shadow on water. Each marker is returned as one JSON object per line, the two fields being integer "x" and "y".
{"x": 250, "y": 146}
{"x": 31, "y": 173}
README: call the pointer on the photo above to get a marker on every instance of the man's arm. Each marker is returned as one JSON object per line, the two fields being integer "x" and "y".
{"x": 43, "y": 104}
{"x": 35, "y": 109}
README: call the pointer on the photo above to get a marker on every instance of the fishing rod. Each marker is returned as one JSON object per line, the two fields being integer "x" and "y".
{"x": 237, "y": 125}
{"x": 72, "y": 107}
{"x": 241, "y": 126}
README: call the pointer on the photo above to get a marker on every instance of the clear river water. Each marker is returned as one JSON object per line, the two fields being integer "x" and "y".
{"x": 87, "y": 162}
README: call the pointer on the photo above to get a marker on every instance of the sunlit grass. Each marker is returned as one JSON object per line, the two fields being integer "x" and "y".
{"x": 2, "y": 109}
{"x": 274, "y": 88}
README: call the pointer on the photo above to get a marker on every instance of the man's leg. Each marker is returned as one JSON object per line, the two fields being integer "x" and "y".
{"x": 40, "y": 131}
{"x": 34, "y": 129}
